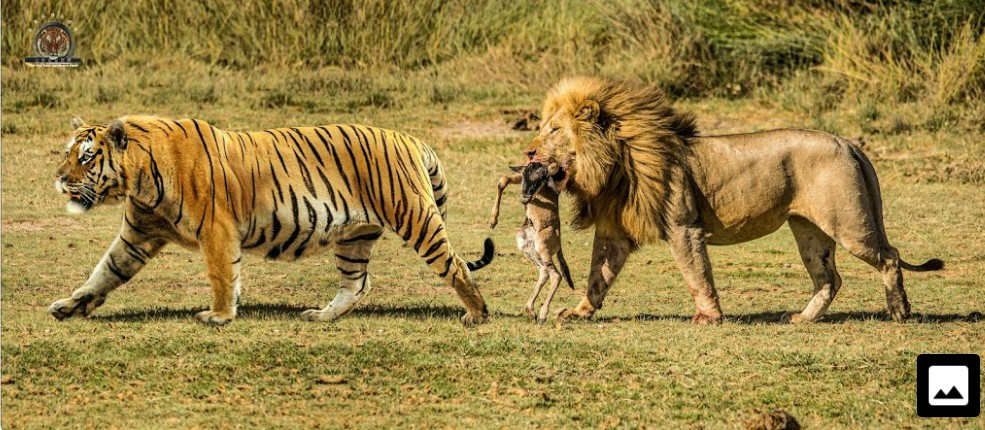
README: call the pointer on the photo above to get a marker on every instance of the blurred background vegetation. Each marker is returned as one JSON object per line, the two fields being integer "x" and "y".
{"x": 898, "y": 65}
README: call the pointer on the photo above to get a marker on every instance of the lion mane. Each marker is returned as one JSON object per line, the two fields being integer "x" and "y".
{"x": 629, "y": 169}
{"x": 639, "y": 172}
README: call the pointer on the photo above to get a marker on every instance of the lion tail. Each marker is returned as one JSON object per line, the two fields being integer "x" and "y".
{"x": 872, "y": 184}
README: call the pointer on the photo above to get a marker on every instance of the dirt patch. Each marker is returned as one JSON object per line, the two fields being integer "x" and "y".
{"x": 513, "y": 123}
{"x": 522, "y": 119}
{"x": 39, "y": 224}
{"x": 478, "y": 130}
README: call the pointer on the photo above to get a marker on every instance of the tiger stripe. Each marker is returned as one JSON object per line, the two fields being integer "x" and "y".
{"x": 282, "y": 193}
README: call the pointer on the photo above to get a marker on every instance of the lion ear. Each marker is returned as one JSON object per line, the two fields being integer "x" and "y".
{"x": 77, "y": 122}
{"x": 589, "y": 111}
{"x": 116, "y": 134}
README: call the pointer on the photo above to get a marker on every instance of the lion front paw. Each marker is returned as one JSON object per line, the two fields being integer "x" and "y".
{"x": 584, "y": 310}
{"x": 574, "y": 313}
{"x": 81, "y": 303}
{"x": 472, "y": 320}
{"x": 706, "y": 319}
{"x": 214, "y": 318}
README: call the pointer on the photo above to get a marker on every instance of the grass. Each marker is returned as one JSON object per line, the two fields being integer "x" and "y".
{"x": 402, "y": 358}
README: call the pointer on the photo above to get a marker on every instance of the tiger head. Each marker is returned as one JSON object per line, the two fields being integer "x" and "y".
{"x": 92, "y": 171}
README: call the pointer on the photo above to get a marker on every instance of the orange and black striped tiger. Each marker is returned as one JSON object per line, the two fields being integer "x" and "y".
{"x": 283, "y": 193}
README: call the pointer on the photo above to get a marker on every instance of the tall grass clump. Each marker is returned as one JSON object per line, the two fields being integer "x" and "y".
{"x": 931, "y": 55}
{"x": 925, "y": 58}
{"x": 714, "y": 47}
{"x": 349, "y": 33}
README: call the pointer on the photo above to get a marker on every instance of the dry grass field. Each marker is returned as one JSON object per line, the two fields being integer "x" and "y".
{"x": 402, "y": 359}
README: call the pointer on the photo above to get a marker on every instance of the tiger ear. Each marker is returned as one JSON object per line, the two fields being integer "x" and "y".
{"x": 116, "y": 134}
{"x": 77, "y": 122}
{"x": 589, "y": 111}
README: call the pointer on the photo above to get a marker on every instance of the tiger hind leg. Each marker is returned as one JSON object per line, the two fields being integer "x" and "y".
{"x": 433, "y": 246}
{"x": 352, "y": 253}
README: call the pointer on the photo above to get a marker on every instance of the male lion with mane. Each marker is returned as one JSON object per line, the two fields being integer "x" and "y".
{"x": 639, "y": 173}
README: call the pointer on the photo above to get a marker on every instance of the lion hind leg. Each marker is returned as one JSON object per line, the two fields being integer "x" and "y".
{"x": 886, "y": 260}
{"x": 817, "y": 251}
{"x": 888, "y": 263}
{"x": 875, "y": 250}
{"x": 861, "y": 231}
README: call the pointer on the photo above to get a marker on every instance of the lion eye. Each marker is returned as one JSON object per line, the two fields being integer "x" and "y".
{"x": 554, "y": 129}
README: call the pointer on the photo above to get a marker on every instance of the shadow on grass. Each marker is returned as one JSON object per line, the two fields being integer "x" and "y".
{"x": 423, "y": 311}
{"x": 259, "y": 311}
{"x": 286, "y": 311}
{"x": 781, "y": 317}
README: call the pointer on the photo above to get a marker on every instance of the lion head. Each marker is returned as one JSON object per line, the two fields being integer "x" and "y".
{"x": 91, "y": 172}
{"x": 622, "y": 147}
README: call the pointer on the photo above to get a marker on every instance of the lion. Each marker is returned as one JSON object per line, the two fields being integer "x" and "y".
{"x": 639, "y": 173}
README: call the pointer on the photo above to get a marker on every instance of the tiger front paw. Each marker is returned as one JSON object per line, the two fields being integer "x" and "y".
{"x": 796, "y": 318}
{"x": 319, "y": 315}
{"x": 81, "y": 303}
{"x": 215, "y": 318}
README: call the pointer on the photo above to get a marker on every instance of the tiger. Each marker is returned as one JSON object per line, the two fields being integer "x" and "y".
{"x": 283, "y": 193}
